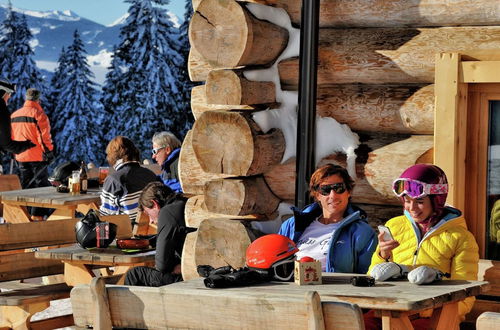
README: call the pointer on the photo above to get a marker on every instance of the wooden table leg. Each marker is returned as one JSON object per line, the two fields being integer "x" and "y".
{"x": 18, "y": 317}
{"x": 15, "y": 213}
{"x": 75, "y": 274}
{"x": 445, "y": 317}
{"x": 395, "y": 322}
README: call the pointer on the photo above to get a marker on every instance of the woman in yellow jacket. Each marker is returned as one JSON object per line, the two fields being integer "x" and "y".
{"x": 430, "y": 240}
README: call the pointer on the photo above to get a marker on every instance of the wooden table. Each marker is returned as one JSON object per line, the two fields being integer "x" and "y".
{"x": 79, "y": 263}
{"x": 65, "y": 204}
{"x": 395, "y": 301}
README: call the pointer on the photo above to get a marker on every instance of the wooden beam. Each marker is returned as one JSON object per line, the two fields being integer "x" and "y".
{"x": 480, "y": 71}
{"x": 450, "y": 125}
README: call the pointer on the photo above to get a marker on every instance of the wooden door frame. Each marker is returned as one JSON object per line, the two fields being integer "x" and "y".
{"x": 454, "y": 72}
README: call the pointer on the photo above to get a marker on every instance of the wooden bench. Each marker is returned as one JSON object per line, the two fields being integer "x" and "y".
{"x": 8, "y": 182}
{"x": 166, "y": 307}
{"x": 488, "y": 321}
{"x": 18, "y": 243}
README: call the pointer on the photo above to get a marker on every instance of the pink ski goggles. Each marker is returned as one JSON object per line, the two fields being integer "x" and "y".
{"x": 417, "y": 189}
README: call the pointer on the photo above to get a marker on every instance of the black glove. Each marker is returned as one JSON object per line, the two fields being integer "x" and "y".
{"x": 28, "y": 144}
{"x": 49, "y": 156}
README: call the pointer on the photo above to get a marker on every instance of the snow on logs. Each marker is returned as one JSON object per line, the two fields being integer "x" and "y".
{"x": 227, "y": 35}
{"x": 387, "y": 55}
{"x": 387, "y": 13}
{"x": 232, "y": 143}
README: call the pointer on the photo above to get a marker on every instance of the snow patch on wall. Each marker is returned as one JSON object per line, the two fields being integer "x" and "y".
{"x": 273, "y": 226}
{"x": 331, "y": 137}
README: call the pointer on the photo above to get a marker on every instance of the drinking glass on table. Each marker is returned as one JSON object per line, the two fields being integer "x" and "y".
{"x": 103, "y": 173}
{"x": 75, "y": 182}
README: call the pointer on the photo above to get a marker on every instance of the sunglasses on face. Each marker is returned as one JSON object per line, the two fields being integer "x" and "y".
{"x": 417, "y": 189}
{"x": 338, "y": 188}
{"x": 157, "y": 150}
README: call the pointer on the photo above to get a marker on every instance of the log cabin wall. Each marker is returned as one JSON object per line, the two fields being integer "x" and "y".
{"x": 375, "y": 74}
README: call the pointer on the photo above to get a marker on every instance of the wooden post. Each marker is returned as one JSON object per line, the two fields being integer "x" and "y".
{"x": 227, "y": 35}
{"x": 102, "y": 314}
{"x": 231, "y": 143}
{"x": 450, "y": 143}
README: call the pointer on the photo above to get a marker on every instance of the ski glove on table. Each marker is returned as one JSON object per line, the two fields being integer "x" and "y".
{"x": 388, "y": 270}
{"x": 424, "y": 275}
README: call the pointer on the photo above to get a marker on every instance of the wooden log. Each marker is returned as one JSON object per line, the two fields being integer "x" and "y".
{"x": 191, "y": 175}
{"x": 381, "y": 158}
{"x": 387, "y": 55}
{"x": 377, "y": 108}
{"x": 230, "y": 87}
{"x": 388, "y": 13}
{"x": 199, "y": 104}
{"x": 198, "y": 67}
{"x": 188, "y": 265}
{"x": 231, "y": 143}
{"x": 228, "y": 36}
{"x": 196, "y": 211}
{"x": 379, "y": 214}
{"x": 243, "y": 196}
{"x": 370, "y": 108}
{"x": 220, "y": 243}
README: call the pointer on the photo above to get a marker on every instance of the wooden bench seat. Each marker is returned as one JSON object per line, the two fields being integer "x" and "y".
{"x": 167, "y": 307}
{"x": 18, "y": 243}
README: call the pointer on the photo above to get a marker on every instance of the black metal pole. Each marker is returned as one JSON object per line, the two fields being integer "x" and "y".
{"x": 306, "y": 116}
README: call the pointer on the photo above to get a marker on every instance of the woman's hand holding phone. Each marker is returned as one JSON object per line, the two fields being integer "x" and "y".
{"x": 386, "y": 242}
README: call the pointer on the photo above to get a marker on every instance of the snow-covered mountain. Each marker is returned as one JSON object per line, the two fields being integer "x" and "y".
{"x": 53, "y": 30}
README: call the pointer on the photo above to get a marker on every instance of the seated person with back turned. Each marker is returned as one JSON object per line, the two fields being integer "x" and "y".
{"x": 332, "y": 230}
{"x": 165, "y": 208}
{"x": 429, "y": 241}
{"x": 166, "y": 151}
{"x": 122, "y": 188}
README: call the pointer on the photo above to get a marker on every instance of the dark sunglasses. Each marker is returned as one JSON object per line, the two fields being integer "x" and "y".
{"x": 157, "y": 150}
{"x": 338, "y": 188}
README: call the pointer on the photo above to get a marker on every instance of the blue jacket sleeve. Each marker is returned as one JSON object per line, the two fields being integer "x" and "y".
{"x": 366, "y": 252}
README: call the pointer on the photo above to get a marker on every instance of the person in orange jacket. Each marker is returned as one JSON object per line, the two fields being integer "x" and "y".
{"x": 31, "y": 123}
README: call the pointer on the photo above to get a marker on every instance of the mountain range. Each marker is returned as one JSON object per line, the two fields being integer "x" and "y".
{"x": 53, "y": 30}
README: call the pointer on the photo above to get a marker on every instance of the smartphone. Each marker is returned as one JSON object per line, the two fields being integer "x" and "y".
{"x": 386, "y": 231}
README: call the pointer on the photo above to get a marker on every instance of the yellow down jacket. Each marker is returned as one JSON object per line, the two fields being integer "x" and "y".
{"x": 449, "y": 247}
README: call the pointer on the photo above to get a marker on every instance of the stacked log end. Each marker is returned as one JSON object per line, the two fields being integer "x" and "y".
{"x": 375, "y": 74}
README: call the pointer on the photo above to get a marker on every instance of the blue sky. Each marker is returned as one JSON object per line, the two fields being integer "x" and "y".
{"x": 100, "y": 11}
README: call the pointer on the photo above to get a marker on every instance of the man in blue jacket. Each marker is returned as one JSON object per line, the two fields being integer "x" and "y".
{"x": 166, "y": 150}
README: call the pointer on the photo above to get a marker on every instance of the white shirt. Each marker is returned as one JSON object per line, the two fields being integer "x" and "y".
{"x": 314, "y": 241}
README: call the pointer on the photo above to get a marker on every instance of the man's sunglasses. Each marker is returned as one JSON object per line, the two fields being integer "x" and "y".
{"x": 157, "y": 150}
{"x": 338, "y": 188}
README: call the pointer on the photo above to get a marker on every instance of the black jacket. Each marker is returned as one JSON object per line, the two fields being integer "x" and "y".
{"x": 6, "y": 142}
{"x": 172, "y": 233}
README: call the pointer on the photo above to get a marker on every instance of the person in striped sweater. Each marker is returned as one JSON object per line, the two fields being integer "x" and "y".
{"x": 122, "y": 188}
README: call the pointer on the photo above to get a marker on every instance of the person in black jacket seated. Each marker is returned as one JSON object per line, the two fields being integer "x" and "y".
{"x": 165, "y": 209}
{"x": 6, "y": 142}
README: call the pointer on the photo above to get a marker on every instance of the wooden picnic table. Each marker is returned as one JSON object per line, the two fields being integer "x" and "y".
{"x": 394, "y": 301}
{"x": 80, "y": 263}
{"x": 65, "y": 204}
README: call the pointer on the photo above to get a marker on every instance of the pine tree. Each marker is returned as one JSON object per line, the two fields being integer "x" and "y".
{"x": 17, "y": 63}
{"x": 147, "y": 82}
{"x": 56, "y": 84}
{"x": 79, "y": 113}
{"x": 185, "y": 119}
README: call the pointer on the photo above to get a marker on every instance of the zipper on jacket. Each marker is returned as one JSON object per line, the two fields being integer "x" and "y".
{"x": 415, "y": 256}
